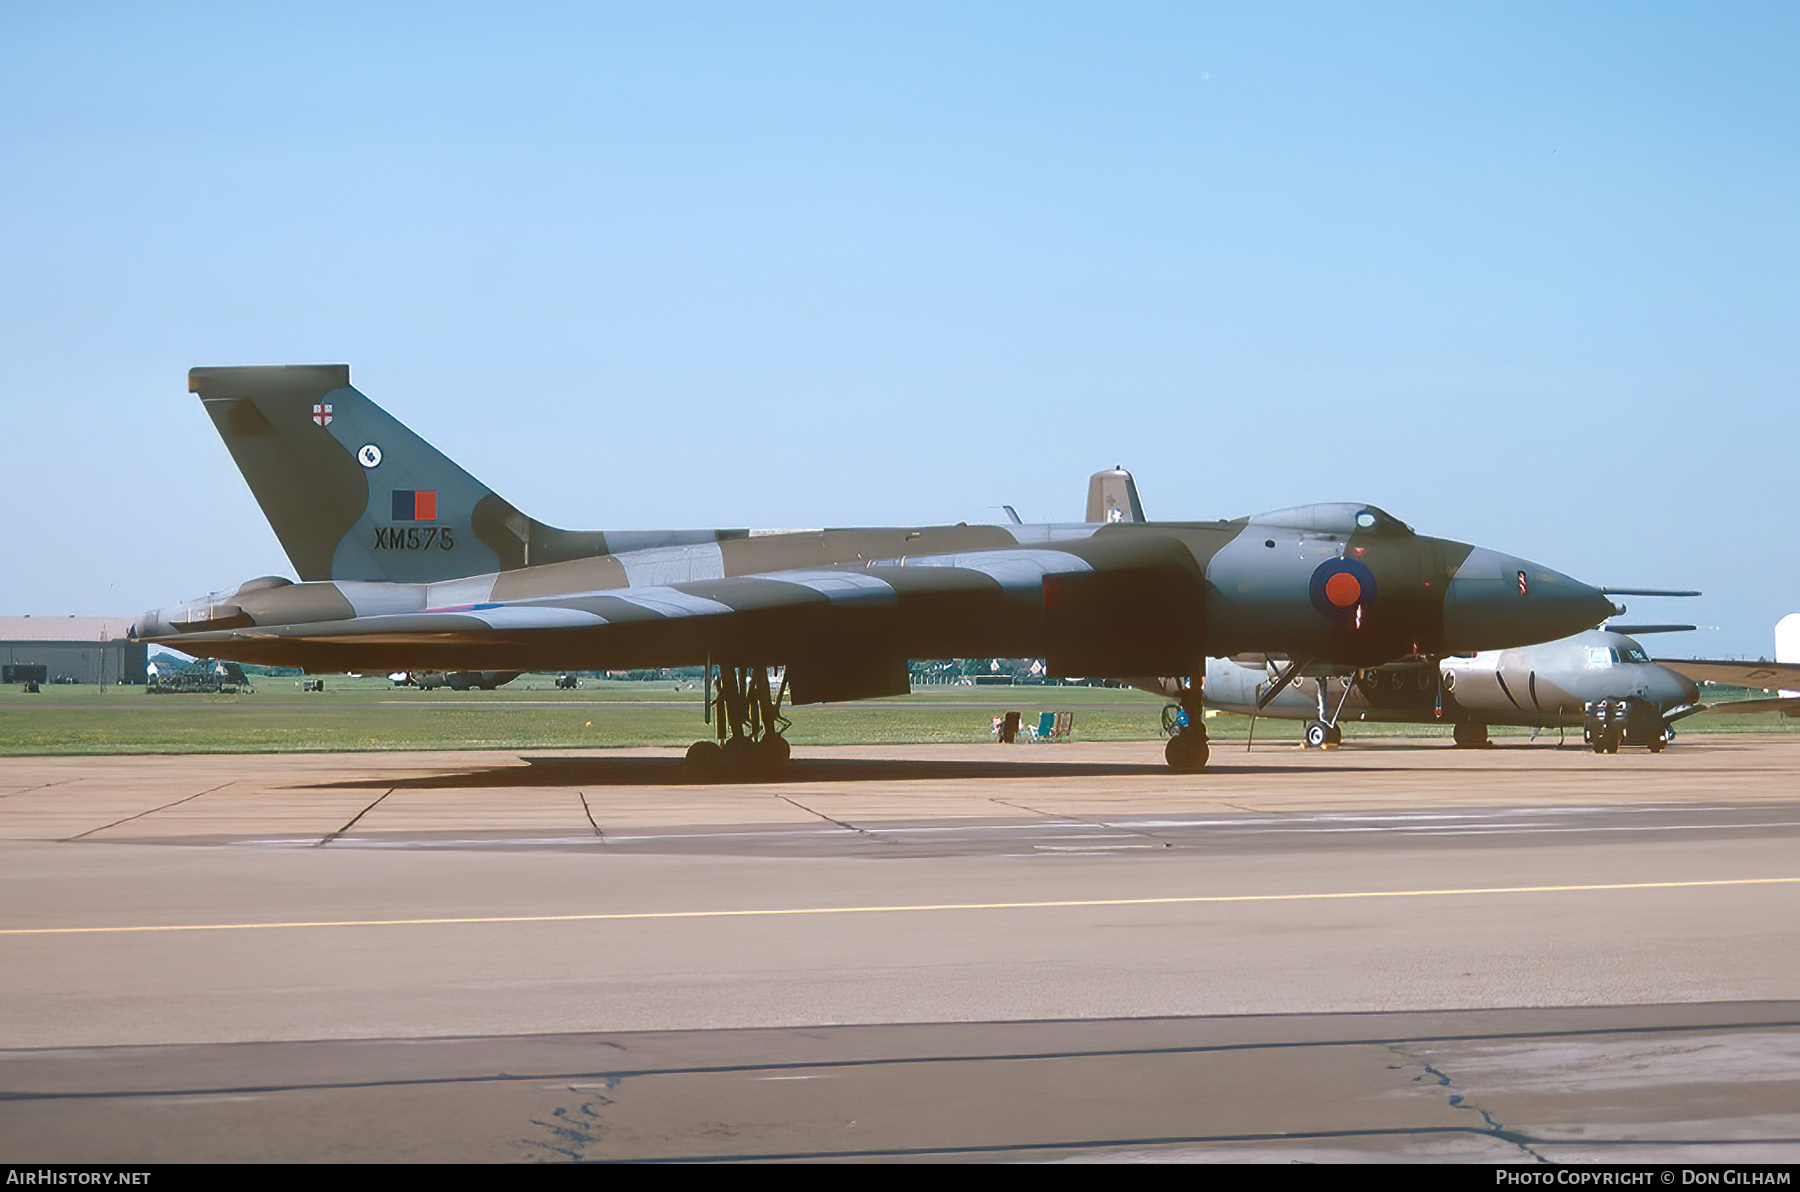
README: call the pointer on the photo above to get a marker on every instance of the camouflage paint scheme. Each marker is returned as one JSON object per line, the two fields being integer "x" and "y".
{"x": 481, "y": 586}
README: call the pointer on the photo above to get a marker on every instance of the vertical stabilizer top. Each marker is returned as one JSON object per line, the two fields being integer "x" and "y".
{"x": 350, "y": 492}
{"x": 1113, "y": 497}
{"x": 1787, "y": 638}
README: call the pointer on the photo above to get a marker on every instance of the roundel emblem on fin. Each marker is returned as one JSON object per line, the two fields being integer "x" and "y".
{"x": 1340, "y": 587}
{"x": 369, "y": 456}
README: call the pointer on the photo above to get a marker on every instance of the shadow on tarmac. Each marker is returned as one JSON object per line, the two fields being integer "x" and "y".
{"x": 667, "y": 771}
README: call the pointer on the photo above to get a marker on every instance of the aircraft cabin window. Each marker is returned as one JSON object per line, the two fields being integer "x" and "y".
{"x": 1599, "y": 657}
{"x": 1365, "y": 519}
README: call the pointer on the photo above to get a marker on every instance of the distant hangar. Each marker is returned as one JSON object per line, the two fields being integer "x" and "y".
{"x": 83, "y": 649}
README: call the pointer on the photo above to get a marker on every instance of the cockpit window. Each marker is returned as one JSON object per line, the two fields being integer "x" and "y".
{"x": 1380, "y": 521}
{"x": 1600, "y": 656}
{"x": 1633, "y": 654}
{"x": 1334, "y": 519}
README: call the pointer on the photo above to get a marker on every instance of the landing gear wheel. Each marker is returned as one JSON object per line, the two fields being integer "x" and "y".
{"x": 1317, "y": 734}
{"x": 739, "y": 754}
{"x": 772, "y": 751}
{"x": 1336, "y": 738}
{"x": 1186, "y": 753}
{"x": 1658, "y": 745}
{"x": 1470, "y": 736}
{"x": 704, "y": 760}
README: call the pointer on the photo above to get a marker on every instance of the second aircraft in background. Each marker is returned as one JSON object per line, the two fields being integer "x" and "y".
{"x": 1601, "y": 681}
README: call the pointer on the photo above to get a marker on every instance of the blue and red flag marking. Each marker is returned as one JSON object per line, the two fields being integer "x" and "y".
{"x": 414, "y": 506}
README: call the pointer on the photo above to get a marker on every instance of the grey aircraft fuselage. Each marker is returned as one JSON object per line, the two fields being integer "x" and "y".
{"x": 1548, "y": 685}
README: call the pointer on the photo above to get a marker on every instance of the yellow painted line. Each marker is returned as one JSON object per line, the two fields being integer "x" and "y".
{"x": 775, "y": 912}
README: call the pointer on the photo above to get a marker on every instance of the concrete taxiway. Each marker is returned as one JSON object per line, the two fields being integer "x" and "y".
{"x": 1383, "y": 951}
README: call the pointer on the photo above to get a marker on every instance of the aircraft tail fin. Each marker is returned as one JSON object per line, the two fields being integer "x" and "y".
{"x": 1113, "y": 496}
{"x": 1787, "y": 649}
{"x": 352, "y": 494}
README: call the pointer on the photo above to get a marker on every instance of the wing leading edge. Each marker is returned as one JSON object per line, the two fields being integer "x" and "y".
{"x": 812, "y": 619}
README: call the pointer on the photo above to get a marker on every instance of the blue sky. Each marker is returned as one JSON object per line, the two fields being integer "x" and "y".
{"x": 1524, "y": 275}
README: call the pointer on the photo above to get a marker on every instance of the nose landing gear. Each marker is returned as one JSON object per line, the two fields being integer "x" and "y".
{"x": 1610, "y": 723}
{"x": 1327, "y": 731}
{"x": 1320, "y": 735}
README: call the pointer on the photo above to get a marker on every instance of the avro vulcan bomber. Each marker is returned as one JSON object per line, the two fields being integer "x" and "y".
{"x": 406, "y": 562}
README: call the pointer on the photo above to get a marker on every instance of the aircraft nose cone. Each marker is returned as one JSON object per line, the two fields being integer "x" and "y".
{"x": 1496, "y": 601}
{"x": 1671, "y": 689}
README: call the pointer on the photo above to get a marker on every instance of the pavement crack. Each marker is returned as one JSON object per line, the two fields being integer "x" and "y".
{"x": 572, "y": 1135}
{"x": 840, "y": 823}
{"x": 140, "y": 815}
{"x": 589, "y": 812}
{"x": 1067, "y": 819}
{"x": 1076, "y": 821}
{"x": 328, "y": 839}
{"x": 1459, "y": 1099}
{"x": 26, "y": 790}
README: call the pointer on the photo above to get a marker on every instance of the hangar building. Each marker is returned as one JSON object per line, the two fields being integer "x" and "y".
{"x": 85, "y": 649}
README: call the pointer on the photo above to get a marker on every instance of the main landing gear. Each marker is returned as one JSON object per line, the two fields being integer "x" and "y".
{"x": 1187, "y": 751}
{"x": 750, "y": 724}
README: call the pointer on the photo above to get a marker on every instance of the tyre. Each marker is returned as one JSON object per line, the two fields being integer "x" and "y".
{"x": 704, "y": 760}
{"x": 773, "y": 751}
{"x": 739, "y": 754}
{"x": 1186, "y": 753}
{"x": 1317, "y": 733}
{"x": 1470, "y": 736}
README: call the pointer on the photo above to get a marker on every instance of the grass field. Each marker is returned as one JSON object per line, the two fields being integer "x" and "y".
{"x": 359, "y": 714}
{"x": 354, "y": 714}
